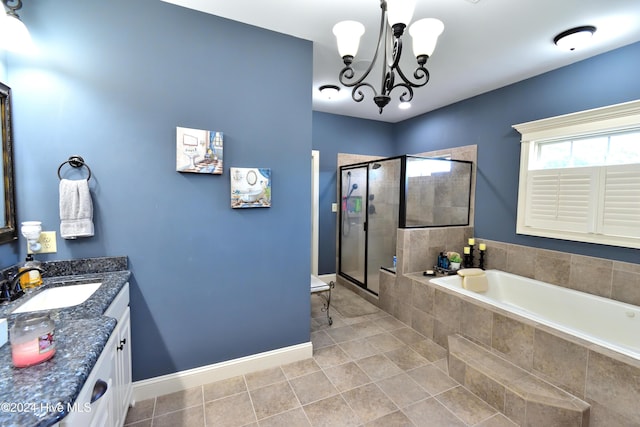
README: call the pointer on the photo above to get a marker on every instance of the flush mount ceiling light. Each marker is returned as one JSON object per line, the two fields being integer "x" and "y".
{"x": 329, "y": 91}
{"x": 14, "y": 35}
{"x": 574, "y": 38}
{"x": 395, "y": 16}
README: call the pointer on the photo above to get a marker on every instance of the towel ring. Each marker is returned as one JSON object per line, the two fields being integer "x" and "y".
{"x": 76, "y": 162}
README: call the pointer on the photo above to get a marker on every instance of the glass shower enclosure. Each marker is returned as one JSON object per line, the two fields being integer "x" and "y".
{"x": 378, "y": 197}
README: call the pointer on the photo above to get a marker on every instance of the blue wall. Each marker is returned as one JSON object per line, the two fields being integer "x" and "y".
{"x": 111, "y": 83}
{"x": 333, "y": 134}
{"x": 486, "y": 120}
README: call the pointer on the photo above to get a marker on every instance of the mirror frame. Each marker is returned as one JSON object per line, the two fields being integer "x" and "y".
{"x": 8, "y": 232}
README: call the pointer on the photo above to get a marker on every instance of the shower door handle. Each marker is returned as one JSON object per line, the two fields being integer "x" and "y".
{"x": 365, "y": 225}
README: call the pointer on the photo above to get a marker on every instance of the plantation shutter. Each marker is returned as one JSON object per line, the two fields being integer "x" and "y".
{"x": 562, "y": 199}
{"x": 620, "y": 210}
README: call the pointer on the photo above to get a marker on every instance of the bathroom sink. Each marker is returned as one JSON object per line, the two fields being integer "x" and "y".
{"x": 60, "y": 297}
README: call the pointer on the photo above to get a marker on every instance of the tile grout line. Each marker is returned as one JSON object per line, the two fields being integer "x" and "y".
{"x": 253, "y": 408}
{"x": 435, "y": 396}
{"x": 153, "y": 412}
{"x": 204, "y": 408}
{"x": 298, "y": 399}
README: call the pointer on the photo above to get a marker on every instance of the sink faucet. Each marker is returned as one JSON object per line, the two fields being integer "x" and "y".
{"x": 10, "y": 289}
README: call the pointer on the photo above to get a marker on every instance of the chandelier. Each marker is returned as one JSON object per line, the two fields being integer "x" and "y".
{"x": 398, "y": 14}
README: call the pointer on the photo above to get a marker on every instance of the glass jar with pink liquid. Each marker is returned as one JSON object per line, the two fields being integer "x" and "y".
{"x": 32, "y": 339}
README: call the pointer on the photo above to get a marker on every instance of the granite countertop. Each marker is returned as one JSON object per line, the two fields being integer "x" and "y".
{"x": 41, "y": 395}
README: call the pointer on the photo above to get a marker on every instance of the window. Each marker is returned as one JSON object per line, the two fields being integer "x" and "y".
{"x": 611, "y": 149}
{"x": 419, "y": 166}
{"x": 580, "y": 176}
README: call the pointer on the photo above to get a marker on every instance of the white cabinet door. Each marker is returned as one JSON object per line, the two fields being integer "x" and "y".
{"x": 124, "y": 386}
{"x": 114, "y": 368}
{"x": 100, "y": 412}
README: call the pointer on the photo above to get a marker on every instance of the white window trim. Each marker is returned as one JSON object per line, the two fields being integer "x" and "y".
{"x": 606, "y": 119}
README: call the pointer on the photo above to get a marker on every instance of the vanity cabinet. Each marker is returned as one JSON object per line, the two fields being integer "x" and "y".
{"x": 123, "y": 387}
{"x": 123, "y": 384}
{"x": 113, "y": 369}
{"x": 95, "y": 405}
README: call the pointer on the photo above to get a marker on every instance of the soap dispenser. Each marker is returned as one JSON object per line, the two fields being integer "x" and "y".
{"x": 32, "y": 279}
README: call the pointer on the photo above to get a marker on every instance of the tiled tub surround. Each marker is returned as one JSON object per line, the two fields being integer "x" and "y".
{"x": 37, "y": 392}
{"x": 601, "y": 321}
{"x": 608, "y": 381}
{"x": 611, "y": 384}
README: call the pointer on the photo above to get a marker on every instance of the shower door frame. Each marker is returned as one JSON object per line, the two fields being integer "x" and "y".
{"x": 401, "y": 207}
{"x": 365, "y": 209}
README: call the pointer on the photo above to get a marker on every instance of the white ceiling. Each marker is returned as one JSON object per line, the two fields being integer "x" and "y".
{"x": 486, "y": 44}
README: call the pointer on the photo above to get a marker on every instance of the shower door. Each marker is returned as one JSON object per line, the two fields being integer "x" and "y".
{"x": 352, "y": 246}
{"x": 368, "y": 220}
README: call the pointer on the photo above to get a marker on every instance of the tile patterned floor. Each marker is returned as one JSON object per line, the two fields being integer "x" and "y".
{"x": 367, "y": 370}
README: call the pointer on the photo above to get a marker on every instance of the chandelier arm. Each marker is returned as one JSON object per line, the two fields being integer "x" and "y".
{"x": 419, "y": 74}
{"x": 406, "y": 96}
{"x": 388, "y": 82}
{"x": 396, "y": 53}
{"x": 356, "y": 93}
{"x": 347, "y": 73}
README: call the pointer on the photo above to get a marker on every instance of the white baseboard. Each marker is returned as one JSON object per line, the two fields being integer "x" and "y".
{"x": 165, "y": 384}
{"x": 327, "y": 278}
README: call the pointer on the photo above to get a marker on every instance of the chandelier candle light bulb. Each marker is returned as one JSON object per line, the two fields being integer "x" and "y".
{"x": 400, "y": 12}
{"x": 425, "y": 33}
{"x": 14, "y": 35}
{"x": 348, "y": 35}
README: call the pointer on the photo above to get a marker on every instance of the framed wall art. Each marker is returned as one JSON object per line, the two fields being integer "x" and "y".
{"x": 250, "y": 187}
{"x": 199, "y": 151}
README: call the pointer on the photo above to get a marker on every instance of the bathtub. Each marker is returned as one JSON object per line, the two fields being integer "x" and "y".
{"x": 604, "y": 322}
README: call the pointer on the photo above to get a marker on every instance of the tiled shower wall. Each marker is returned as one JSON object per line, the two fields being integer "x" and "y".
{"x": 439, "y": 198}
{"x": 467, "y": 152}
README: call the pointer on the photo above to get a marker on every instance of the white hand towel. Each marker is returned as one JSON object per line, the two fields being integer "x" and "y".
{"x": 76, "y": 209}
